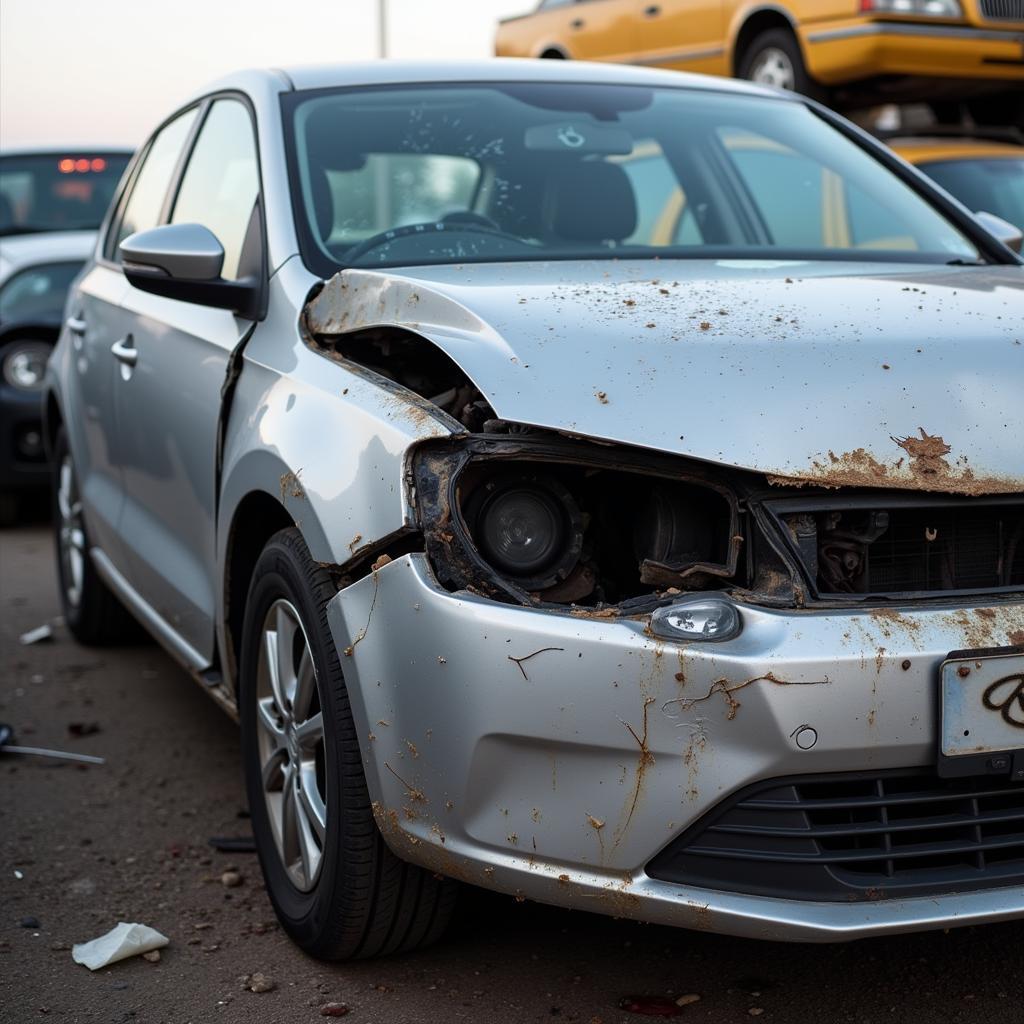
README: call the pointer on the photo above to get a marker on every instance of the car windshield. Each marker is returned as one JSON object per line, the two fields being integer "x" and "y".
{"x": 995, "y": 185}
{"x": 527, "y": 171}
{"x": 57, "y": 191}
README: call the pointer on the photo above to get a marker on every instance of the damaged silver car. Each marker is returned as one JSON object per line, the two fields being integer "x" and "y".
{"x": 600, "y": 485}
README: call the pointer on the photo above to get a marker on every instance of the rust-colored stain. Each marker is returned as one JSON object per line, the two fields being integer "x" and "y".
{"x": 727, "y": 690}
{"x": 414, "y": 794}
{"x": 927, "y": 453}
{"x": 291, "y": 486}
{"x": 923, "y": 466}
{"x": 1016, "y": 637}
{"x": 643, "y": 762}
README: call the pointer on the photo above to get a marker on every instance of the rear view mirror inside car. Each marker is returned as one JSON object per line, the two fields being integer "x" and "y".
{"x": 580, "y": 137}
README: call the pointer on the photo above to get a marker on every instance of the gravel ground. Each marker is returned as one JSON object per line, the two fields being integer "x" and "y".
{"x": 128, "y": 842}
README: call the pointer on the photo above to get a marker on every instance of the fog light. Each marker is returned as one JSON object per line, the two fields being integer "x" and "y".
{"x": 704, "y": 619}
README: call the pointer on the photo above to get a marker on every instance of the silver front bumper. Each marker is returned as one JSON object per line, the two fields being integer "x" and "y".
{"x": 552, "y": 756}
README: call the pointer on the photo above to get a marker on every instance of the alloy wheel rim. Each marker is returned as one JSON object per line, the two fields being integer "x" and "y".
{"x": 290, "y": 730}
{"x": 773, "y": 67}
{"x": 71, "y": 533}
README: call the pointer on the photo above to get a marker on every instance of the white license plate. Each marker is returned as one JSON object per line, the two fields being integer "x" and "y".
{"x": 982, "y": 704}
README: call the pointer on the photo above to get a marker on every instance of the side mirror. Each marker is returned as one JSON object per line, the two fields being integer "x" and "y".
{"x": 1009, "y": 234}
{"x": 184, "y": 261}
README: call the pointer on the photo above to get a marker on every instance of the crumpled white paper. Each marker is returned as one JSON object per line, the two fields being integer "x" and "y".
{"x": 118, "y": 944}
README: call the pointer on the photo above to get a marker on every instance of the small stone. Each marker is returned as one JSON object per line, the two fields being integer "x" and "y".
{"x": 688, "y": 1000}
{"x": 259, "y": 983}
{"x": 333, "y": 1010}
{"x": 30, "y": 922}
{"x": 231, "y": 879}
{"x": 755, "y": 1011}
{"x": 153, "y": 956}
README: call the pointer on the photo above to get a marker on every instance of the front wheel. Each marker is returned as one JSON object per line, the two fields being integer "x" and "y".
{"x": 774, "y": 59}
{"x": 337, "y": 889}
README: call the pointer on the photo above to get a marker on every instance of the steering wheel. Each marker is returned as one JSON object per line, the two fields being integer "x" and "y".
{"x": 434, "y": 227}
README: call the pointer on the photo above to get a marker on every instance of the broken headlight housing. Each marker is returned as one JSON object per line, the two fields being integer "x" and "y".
{"x": 536, "y": 518}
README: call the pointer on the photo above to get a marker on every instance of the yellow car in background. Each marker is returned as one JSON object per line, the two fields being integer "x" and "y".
{"x": 804, "y": 205}
{"x": 853, "y": 52}
{"x": 983, "y": 174}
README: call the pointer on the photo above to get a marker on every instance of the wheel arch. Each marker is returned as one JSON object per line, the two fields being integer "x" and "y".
{"x": 752, "y": 23}
{"x": 257, "y": 517}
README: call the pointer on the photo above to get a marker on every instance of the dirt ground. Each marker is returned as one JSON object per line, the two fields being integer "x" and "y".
{"x": 128, "y": 841}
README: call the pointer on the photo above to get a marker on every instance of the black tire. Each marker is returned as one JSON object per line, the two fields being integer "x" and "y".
{"x": 365, "y": 901}
{"x": 783, "y": 41}
{"x": 97, "y": 618}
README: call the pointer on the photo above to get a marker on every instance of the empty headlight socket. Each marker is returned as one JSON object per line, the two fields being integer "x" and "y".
{"x": 445, "y": 474}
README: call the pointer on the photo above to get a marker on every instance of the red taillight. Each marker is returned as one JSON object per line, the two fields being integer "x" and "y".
{"x": 66, "y": 166}
{"x": 866, "y": 6}
{"x": 98, "y": 163}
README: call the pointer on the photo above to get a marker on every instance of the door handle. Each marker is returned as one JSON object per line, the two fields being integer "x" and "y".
{"x": 577, "y": 23}
{"x": 76, "y": 325}
{"x": 652, "y": 12}
{"x": 125, "y": 351}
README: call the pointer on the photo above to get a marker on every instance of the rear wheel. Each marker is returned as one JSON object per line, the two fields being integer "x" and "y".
{"x": 774, "y": 59}
{"x": 91, "y": 610}
{"x": 338, "y": 891}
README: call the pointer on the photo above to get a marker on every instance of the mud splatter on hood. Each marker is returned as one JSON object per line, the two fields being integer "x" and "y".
{"x": 885, "y": 375}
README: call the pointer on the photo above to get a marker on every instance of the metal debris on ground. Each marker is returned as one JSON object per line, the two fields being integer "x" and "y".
{"x": 37, "y": 635}
{"x": 7, "y": 747}
{"x": 119, "y": 943}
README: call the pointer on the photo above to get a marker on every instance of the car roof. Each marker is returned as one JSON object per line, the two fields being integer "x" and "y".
{"x": 928, "y": 149}
{"x": 497, "y": 69}
{"x": 73, "y": 147}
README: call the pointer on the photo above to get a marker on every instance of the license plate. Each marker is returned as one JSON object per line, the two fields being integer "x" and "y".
{"x": 983, "y": 710}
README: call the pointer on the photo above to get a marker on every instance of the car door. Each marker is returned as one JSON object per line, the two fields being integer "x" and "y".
{"x": 95, "y": 324}
{"x": 683, "y": 34}
{"x": 594, "y": 29}
{"x": 168, "y": 394}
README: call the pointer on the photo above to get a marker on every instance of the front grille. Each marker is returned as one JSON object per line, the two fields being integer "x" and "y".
{"x": 898, "y": 549}
{"x": 1002, "y": 10}
{"x": 862, "y": 836}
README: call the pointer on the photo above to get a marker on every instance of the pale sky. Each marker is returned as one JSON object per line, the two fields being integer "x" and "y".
{"x": 88, "y": 72}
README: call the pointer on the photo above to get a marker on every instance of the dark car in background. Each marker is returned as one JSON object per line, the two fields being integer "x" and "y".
{"x": 51, "y": 203}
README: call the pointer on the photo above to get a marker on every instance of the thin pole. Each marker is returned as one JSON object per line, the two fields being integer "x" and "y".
{"x": 382, "y": 27}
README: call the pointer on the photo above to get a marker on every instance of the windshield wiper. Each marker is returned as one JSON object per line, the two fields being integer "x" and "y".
{"x": 961, "y": 262}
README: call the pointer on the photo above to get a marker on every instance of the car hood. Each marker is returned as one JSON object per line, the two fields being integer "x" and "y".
{"x": 881, "y": 375}
{"x": 20, "y": 251}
